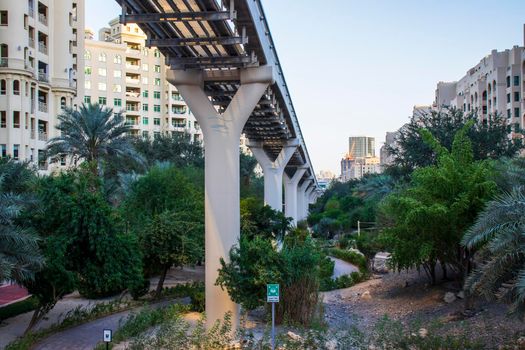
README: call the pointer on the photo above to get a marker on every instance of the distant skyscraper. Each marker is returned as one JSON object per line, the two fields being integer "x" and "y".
{"x": 361, "y": 147}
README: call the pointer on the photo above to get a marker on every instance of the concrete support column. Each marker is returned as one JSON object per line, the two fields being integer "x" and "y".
{"x": 306, "y": 202}
{"x": 273, "y": 171}
{"x": 290, "y": 194}
{"x": 221, "y": 142}
{"x": 301, "y": 199}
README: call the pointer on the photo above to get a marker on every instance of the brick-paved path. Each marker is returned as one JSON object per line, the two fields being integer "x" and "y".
{"x": 12, "y": 293}
{"x": 83, "y": 337}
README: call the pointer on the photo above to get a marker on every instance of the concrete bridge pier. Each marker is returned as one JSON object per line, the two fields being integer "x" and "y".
{"x": 301, "y": 198}
{"x": 221, "y": 134}
{"x": 273, "y": 171}
{"x": 291, "y": 186}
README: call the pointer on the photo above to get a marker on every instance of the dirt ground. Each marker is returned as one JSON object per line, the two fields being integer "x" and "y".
{"x": 408, "y": 298}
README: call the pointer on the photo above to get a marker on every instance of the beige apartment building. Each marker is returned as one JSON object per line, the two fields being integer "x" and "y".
{"x": 122, "y": 73}
{"x": 360, "y": 160}
{"x": 494, "y": 86}
{"x": 40, "y": 41}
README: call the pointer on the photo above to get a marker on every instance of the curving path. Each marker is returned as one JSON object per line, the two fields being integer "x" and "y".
{"x": 341, "y": 268}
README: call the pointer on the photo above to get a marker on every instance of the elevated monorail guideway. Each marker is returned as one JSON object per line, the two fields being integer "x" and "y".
{"x": 223, "y": 61}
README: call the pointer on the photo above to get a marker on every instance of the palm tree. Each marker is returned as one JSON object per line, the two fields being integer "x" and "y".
{"x": 93, "y": 134}
{"x": 20, "y": 256}
{"x": 498, "y": 232}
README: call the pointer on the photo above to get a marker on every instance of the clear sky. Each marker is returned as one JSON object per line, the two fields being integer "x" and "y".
{"x": 359, "y": 67}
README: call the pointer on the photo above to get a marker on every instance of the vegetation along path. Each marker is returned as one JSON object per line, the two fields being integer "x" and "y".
{"x": 341, "y": 268}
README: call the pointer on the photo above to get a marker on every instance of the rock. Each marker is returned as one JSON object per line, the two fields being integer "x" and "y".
{"x": 461, "y": 295}
{"x": 521, "y": 342}
{"x": 449, "y": 298}
{"x": 423, "y": 332}
{"x": 366, "y": 295}
{"x": 380, "y": 262}
{"x": 294, "y": 336}
{"x": 357, "y": 251}
{"x": 331, "y": 344}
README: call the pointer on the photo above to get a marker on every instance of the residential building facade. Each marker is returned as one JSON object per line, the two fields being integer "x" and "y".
{"x": 360, "y": 160}
{"x": 123, "y": 74}
{"x": 494, "y": 86}
{"x": 40, "y": 42}
{"x": 361, "y": 146}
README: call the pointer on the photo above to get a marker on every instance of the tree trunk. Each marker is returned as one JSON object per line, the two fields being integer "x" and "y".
{"x": 37, "y": 316}
{"x": 161, "y": 281}
{"x": 444, "y": 268}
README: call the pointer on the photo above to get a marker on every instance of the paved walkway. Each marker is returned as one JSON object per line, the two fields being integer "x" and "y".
{"x": 12, "y": 293}
{"x": 341, "y": 268}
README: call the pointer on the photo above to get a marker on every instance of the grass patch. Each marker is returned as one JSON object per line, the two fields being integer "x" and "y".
{"x": 18, "y": 308}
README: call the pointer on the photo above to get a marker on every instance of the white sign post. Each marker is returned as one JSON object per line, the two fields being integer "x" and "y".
{"x": 272, "y": 296}
{"x": 108, "y": 335}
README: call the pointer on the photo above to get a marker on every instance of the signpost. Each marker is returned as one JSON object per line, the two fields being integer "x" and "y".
{"x": 107, "y": 337}
{"x": 272, "y": 296}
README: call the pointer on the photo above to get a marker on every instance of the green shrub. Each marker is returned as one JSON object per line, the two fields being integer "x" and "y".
{"x": 198, "y": 301}
{"x": 18, "y": 308}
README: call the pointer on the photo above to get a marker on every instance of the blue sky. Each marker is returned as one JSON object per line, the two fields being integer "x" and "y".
{"x": 358, "y": 67}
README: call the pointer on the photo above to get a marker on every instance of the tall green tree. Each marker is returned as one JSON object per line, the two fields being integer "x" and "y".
{"x": 165, "y": 211}
{"x": 93, "y": 133}
{"x": 489, "y": 140}
{"x": 20, "y": 256}
{"x": 177, "y": 149}
{"x": 427, "y": 220}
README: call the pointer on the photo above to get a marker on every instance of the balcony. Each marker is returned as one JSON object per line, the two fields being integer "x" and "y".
{"x": 42, "y": 18}
{"x": 43, "y": 77}
{"x": 132, "y": 80}
{"x": 42, "y": 107}
{"x": 31, "y": 12}
{"x": 130, "y": 94}
{"x": 42, "y": 136}
{"x": 4, "y": 62}
{"x": 32, "y": 135}
{"x": 132, "y": 66}
{"x": 43, "y": 166}
{"x": 132, "y": 108}
{"x": 42, "y": 47}
{"x": 32, "y": 42}
{"x": 178, "y": 125}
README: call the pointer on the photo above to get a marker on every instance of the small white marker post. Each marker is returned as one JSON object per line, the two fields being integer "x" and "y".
{"x": 272, "y": 296}
{"x": 107, "y": 337}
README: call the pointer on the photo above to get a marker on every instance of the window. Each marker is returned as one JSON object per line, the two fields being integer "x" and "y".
{"x": 87, "y": 99}
{"x": 516, "y": 112}
{"x": 3, "y": 151}
{"x": 102, "y": 72}
{"x": 102, "y": 101}
{"x": 102, "y": 57}
{"x": 117, "y": 59}
{"x": 117, "y": 74}
{"x": 145, "y": 107}
{"x": 157, "y": 53}
{"x": 516, "y": 96}
{"x": 156, "y": 94}
{"x": 508, "y": 98}
{"x": 157, "y": 68}
{"x": 117, "y": 102}
{"x": 508, "y": 81}
{"x": 62, "y": 102}
{"x": 145, "y": 67}
{"x": 15, "y": 151}
{"x": 145, "y": 80}
{"x": 16, "y": 87}
{"x": 62, "y": 160}
{"x": 3, "y": 18}
{"x": 156, "y": 121}
{"x": 3, "y": 87}
{"x": 87, "y": 84}
{"x": 145, "y": 93}
{"x": 508, "y": 113}
{"x": 157, "y": 82}
{"x": 117, "y": 88}
{"x": 16, "y": 119}
{"x": 102, "y": 86}
{"x": 87, "y": 55}
{"x": 156, "y": 108}
{"x": 516, "y": 80}
{"x": 145, "y": 134}
{"x": 145, "y": 120}
{"x": 3, "y": 119}
{"x": 88, "y": 70}
{"x": 156, "y": 135}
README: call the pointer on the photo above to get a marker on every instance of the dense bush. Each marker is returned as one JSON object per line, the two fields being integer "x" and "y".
{"x": 18, "y": 308}
{"x": 256, "y": 262}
